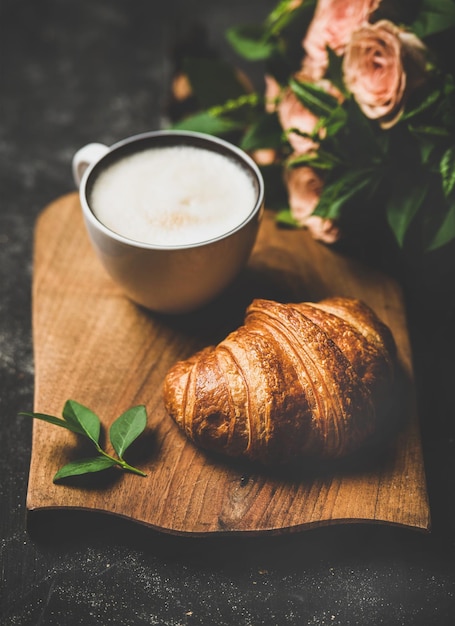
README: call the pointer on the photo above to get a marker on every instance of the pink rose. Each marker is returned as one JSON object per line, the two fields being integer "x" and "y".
{"x": 292, "y": 114}
{"x": 304, "y": 190}
{"x": 381, "y": 65}
{"x": 333, "y": 23}
{"x": 323, "y": 229}
{"x": 272, "y": 93}
{"x": 264, "y": 156}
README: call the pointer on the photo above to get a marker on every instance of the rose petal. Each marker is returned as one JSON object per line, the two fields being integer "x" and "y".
{"x": 379, "y": 61}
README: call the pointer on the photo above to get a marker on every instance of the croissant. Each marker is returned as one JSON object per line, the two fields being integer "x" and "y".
{"x": 295, "y": 382}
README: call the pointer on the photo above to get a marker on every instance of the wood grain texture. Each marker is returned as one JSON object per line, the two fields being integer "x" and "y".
{"x": 92, "y": 345}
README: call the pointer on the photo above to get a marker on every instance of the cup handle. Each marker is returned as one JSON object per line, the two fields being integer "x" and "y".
{"x": 86, "y": 156}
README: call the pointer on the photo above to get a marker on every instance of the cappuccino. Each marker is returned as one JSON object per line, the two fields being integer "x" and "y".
{"x": 173, "y": 196}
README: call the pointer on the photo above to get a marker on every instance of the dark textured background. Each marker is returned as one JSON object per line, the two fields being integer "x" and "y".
{"x": 74, "y": 72}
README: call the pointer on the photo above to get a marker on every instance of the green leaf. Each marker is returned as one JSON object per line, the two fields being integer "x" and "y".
{"x": 285, "y": 218}
{"x": 321, "y": 160}
{"x": 127, "y": 428}
{"x": 251, "y": 42}
{"x": 243, "y": 106}
{"x": 57, "y": 421}
{"x": 335, "y": 121}
{"x": 403, "y": 205}
{"x": 430, "y": 131}
{"x": 447, "y": 168}
{"x": 265, "y": 132}
{"x": 207, "y": 122}
{"x": 334, "y": 71}
{"x": 430, "y": 141}
{"x": 284, "y": 13}
{"x": 317, "y": 100}
{"x": 84, "y": 466}
{"x": 434, "y": 17}
{"x": 335, "y": 195}
{"x": 364, "y": 142}
{"x": 79, "y": 416}
{"x": 422, "y": 105}
{"x": 79, "y": 419}
{"x": 445, "y": 233}
{"x": 213, "y": 81}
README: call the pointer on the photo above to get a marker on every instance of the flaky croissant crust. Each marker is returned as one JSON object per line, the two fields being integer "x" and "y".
{"x": 296, "y": 381}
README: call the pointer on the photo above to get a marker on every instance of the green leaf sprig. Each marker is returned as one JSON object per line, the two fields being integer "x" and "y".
{"x": 81, "y": 420}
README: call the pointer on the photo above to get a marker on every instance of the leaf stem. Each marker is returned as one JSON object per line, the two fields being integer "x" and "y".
{"x": 121, "y": 462}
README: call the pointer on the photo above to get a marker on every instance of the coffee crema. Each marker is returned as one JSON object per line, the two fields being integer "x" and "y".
{"x": 173, "y": 196}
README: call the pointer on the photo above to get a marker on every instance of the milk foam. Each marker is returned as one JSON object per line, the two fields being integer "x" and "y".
{"x": 173, "y": 196}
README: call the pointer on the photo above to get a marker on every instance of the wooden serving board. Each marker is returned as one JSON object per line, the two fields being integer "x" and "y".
{"x": 93, "y": 345}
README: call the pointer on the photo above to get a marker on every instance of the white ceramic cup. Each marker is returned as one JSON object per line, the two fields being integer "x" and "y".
{"x": 168, "y": 279}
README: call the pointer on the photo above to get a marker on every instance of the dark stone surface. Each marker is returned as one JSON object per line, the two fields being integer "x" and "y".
{"x": 74, "y": 72}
